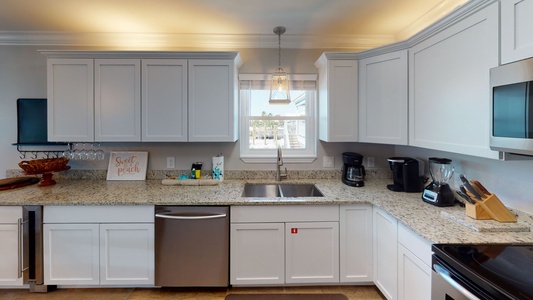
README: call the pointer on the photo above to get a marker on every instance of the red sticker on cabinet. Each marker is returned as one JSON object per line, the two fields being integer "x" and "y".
{"x": 294, "y": 230}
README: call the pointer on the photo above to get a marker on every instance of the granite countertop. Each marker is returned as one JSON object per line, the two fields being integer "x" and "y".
{"x": 431, "y": 222}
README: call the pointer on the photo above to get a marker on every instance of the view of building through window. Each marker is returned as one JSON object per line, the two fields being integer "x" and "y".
{"x": 273, "y": 125}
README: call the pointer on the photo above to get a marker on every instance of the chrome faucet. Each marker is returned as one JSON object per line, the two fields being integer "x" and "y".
{"x": 279, "y": 163}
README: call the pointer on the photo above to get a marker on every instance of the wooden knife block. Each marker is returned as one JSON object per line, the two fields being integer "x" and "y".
{"x": 489, "y": 208}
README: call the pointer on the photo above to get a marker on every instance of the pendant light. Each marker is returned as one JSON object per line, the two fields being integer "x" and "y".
{"x": 279, "y": 88}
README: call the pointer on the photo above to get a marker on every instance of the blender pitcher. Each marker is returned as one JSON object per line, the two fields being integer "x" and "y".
{"x": 438, "y": 192}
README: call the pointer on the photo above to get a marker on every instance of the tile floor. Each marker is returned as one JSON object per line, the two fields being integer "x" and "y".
{"x": 352, "y": 292}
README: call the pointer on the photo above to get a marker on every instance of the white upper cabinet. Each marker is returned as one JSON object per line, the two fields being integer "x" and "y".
{"x": 117, "y": 100}
{"x": 70, "y": 100}
{"x": 449, "y": 92}
{"x": 142, "y": 96}
{"x": 213, "y": 98}
{"x": 164, "y": 100}
{"x": 337, "y": 97}
{"x": 516, "y": 30}
{"x": 383, "y": 98}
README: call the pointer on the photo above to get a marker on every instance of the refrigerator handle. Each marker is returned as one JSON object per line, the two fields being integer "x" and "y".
{"x": 20, "y": 240}
{"x": 169, "y": 216}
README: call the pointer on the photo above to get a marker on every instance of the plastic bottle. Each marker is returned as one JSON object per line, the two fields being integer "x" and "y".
{"x": 193, "y": 173}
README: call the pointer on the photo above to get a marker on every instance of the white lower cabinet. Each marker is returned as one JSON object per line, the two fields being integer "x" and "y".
{"x": 126, "y": 254}
{"x": 312, "y": 252}
{"x": 414, "y": 266}
{"x": 71, "y": 254}
{"x": 100, "y": 250}
{"x": 9, "y": 247}
{"x": 402, "y": 260}
{"x": 355, "y": 240}
{"x": 284, "y": 244}
{"x": 385, "y": 253}
{"x": 257, "y": 253}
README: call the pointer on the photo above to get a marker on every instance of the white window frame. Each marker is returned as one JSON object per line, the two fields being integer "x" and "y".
{"x": 306, "y": 155}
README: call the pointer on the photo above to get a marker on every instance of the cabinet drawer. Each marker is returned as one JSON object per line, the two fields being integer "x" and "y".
{"x": 10, "y": 214}
{"x": 414, "y": 243}
{"x": 285, "y": 213}
{"x": 98, "y": 214}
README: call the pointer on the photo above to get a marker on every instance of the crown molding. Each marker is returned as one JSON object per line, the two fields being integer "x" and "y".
{"x": 161, "y": 41}
{"x": 438, "y": 12}
{"x": 459, "y": 13}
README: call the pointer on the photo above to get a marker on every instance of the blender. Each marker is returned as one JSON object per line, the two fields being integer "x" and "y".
{"x": 438, "y": 192}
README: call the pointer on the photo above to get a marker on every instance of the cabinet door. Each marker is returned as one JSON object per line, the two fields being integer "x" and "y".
{"x": 312, "y": 252}
{"x": 164, "y": 100}
{"x": 117, "y": 100}
{"x": 449, "y": 92}
{"x": 212, "y": 101}
{"x": 9, "y": 255}
{"x": 385, "y": 253}
{"x": 70, "y": 100}
{"x": 383, "y": 99}
{"x": 71, "y": 254}
{"x": 337, "y": 101}
{"x": 257, "y": 253}
{"x": 516, "y": 30}
{"x": 414, "y": 277}
{"x": 127, "y": 254}
{"x": 355, "y": 243}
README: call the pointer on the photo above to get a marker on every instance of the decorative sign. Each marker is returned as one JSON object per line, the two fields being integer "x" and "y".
{"x": 127, "y": 165}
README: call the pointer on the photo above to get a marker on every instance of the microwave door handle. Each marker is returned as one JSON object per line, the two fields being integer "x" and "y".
{"x": 446, "y": 276}
{"x": 185, "y": 217}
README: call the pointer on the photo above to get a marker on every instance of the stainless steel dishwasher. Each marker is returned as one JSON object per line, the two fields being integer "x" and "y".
{"x": 192, "y": 246}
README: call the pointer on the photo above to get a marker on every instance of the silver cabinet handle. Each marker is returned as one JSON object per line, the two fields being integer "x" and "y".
{"x": 446, "y": 276}
{"x": 20, "y": 241}
{"x": 168, "y": 216}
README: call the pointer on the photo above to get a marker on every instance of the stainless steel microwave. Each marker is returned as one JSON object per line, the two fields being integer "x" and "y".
{"x": 512, "y": 107}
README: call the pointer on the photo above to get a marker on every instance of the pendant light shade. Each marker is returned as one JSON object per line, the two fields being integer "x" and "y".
{"x": 279, "y": 88}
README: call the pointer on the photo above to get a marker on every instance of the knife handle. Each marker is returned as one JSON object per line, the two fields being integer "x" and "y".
{"x": 469, "y": 187}
{"x": 480, "y": 187}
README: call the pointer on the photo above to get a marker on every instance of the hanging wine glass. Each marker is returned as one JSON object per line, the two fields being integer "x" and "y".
{"x": 91, "y": 154}
{"x": 75, "y": 152}
{"x": 100, "y": 155}
{"x": 67, "y": 153}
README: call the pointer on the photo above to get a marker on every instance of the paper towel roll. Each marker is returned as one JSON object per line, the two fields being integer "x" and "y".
{"x": 218, "y": 167}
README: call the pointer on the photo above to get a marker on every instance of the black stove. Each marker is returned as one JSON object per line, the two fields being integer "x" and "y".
{"x": 490, "y": 271}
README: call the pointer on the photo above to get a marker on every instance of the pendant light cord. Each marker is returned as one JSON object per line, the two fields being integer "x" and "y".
{"x": 279, "y": 51}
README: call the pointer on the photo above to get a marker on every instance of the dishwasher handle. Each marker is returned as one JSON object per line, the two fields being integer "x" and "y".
{"x": 189, "y": 217}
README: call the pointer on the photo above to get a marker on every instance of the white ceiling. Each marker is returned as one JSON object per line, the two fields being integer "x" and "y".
{"x": 329, "y": 24}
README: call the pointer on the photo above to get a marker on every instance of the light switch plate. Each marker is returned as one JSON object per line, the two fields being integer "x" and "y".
{"x": 328, "y": 162}
{"x": 171, "y": 163}
{"x": 370, "y": 162}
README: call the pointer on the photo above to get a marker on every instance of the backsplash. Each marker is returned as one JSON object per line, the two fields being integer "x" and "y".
{"x": 229, "y": 174}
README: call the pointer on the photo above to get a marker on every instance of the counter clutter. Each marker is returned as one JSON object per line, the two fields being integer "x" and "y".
{"x": 426, "y": 220}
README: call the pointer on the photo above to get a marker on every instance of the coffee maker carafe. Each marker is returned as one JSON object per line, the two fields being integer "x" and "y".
{"x": 407, "y": 174}
{"x": 438, "y": 192}
{"x": 353, "y": 171}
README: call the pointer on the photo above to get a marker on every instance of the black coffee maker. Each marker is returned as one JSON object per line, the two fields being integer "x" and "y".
{"x": 407, "y": 175}
{"x": 353, "y": 171}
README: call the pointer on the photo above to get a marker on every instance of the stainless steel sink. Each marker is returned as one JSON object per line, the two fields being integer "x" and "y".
{"x": 281, "y": 190}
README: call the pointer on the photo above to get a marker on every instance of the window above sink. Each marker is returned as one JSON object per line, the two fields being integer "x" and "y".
{"x": 267, "y": 126}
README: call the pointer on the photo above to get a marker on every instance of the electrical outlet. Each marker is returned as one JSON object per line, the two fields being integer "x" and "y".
{"x": 171, "y": 163}
{"x": 328, "y": 162}
{"x": 370, "y": 162}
